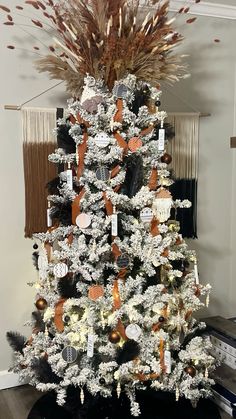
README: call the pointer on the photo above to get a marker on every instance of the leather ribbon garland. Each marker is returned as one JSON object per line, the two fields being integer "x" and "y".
{"x": 76, "y": 205}
{"x": 58, "y": 315}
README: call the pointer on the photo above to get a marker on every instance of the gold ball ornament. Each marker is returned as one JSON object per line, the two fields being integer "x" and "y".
{"x": 166, "y": 158}
{"x": 41, "y": 304}
{"x": 190, "y": 371}
{"x": 114, "y": 337}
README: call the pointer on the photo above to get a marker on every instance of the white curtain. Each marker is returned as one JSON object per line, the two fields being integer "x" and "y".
{"x": 185, "y": 146}
{"x": 38, "y": 142}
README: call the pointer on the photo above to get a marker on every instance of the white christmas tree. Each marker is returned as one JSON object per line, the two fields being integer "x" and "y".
{"x": 117, "y": 284}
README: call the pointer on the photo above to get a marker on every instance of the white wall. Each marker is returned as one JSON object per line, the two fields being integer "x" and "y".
{"x": 210, "y": 89}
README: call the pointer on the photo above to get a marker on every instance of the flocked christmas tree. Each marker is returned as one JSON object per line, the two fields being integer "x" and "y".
{"x": 117, "y": 285}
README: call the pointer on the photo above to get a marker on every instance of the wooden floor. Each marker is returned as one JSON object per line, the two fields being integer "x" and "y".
{"x": 16, "y": 403}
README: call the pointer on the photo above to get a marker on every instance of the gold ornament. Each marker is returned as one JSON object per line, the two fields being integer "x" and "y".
{"x": 190, "y": 370}
{"x": 41, "y": 304}
{"x": 114, "y": 337}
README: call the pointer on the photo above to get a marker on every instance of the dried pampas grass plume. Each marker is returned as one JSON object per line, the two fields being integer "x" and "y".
{"x": 106, "y": 39}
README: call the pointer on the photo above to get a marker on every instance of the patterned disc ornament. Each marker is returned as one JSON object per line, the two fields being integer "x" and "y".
{"x": 133, "y": 331}
{"x": 83, "y": 220}
{"x": 95, "y": 292}
{"x": 60, "y": 270}
{"x": 69, "y": 354}
{"x": 120, "y": 91}
{"x": 146, "y": 215}
{"x": 134, "y": 144}
{"x": 102, "y": 173}
{"x": 123, "y": 261}
{"x": 102, "y": 139}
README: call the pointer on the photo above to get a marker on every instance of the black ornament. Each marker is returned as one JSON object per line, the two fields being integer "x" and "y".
{"x": 35, "y": 246}
{"x": 123, "y": 261}
{"x": 66, "y": 319}
{"x": 102, "y": 381}
{"x": 158, "y": 103}
{"x": 82, "y": 126}
{"x": 161, "y": 319}
{"x": 69, "y": 354}
{"x": 102, "y": 173}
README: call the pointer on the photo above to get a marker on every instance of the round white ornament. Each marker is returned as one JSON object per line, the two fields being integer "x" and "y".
{"x": 102, "y": 139}
{"x": 83, "y": 220}
{"x": 133, "y": 331}
{"x": 60, "y": 270}
{"x": 146, "y": 215}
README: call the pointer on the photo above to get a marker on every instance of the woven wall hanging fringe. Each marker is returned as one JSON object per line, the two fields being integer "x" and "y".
{"x": 38, "y": 142}
{"x": 184, "y": 149}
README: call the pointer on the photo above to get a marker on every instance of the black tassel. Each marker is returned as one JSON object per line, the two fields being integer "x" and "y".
{"x": 129, "y": 351}
{"x": 35, "y": 258}
{"x": 134, "y": 176}
{"x": 67, "y": 288}
{"x": 64, "y": 139}
{"x": 62, "y": 213}
{"x": 16, "y": 341}
{"x": 38, "y": 321}
{"x": 44, "y": 372}
{"x": 53, "y": 185}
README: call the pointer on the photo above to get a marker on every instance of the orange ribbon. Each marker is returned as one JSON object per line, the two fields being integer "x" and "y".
{"x": 115, "y": 171}
{"x": 152, "y": 184}
{"x": 161, "y": 350}
{"x": 76, "y": 206}
{"x": 118, "y": 116}
{"x": 81, "y": 150}
{"x": 154, "y": 227}
{"x": 58, "y": 315}
{"x": 108, "y": 204}
{"x": 121, "y": 142}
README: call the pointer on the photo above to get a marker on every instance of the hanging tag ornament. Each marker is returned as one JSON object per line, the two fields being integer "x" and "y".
{"x": 69, "y": 177}
{"x": 162, "y": 205}
{"x": 90, "y": 344}
{"x": 161, "y": 139}
{"x": 167, "y": 359}
{"x": 114, "y": 223}
{"x": 49, "y": 218}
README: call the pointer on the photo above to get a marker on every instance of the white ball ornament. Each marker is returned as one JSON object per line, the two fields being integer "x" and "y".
{"x": 60, "y": 270}
{"x": 133, "y": 331}
{"x": 102, "y": 139}
{"x": 83, "y": 220}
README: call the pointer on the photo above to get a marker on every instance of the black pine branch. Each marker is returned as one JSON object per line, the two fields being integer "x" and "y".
{"x": 16, "y": 341}
{"x": 128, "y": 352}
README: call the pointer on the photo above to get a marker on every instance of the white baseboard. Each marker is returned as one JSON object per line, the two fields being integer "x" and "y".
{"x": 9, "y": 380}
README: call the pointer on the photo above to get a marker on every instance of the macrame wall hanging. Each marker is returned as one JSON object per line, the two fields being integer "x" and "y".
{"x": 184, "y": 148}
{"x": 38, "y": 142}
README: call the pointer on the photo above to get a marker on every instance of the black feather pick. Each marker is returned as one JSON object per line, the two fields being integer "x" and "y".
{"x": 38, "y": 321}
{"x": 62, "y": 213}
{"x": 141, "y": 98}
{"x": 53, "y": 185}
{"x": 16, "y": 341}
{"x": 35, "y": 258}
{"x": 134, "y": 176}
{"x": 129, "y": 351}
{"x": 64, "y": 139}
{"x": 67, "y": 288}
{"x": 44, "y": 372}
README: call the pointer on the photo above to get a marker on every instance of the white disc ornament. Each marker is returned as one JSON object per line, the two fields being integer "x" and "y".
{"x": 102, "y": 139}
{"x": 83, "y": 220}
{"x": 133, "y": 331}
{"x": 162, "y": 205}
{"x": 146, "y": 215}
{"x": 60, "y": 270}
